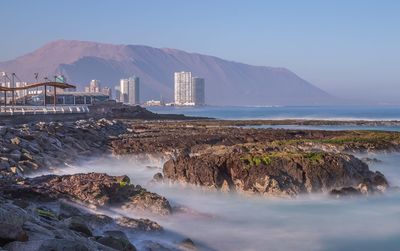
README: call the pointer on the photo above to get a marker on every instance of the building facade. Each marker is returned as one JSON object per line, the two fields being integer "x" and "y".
{"x": 183, "y": 88}
{"x": 188, "y": 90}
{"x": 94, "y": 86}
{"x": 129, "y": 90}
{"x": 198, "y": 88}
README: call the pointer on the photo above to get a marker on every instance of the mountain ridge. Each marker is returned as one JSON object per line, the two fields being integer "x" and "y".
{"x": 227, "y": 82}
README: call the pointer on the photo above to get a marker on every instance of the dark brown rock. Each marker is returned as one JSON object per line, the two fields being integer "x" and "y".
{"x": 345, "y": 192}
{"x": 272, "y": 173}
{"x": 96, "y": 189}
{"x": 120, "y": 244}
{"x": 144, "y": 225}
{"x": 77, "y": 224}
{"x": 187, "y": 244}
{"x": 10, "y": 233}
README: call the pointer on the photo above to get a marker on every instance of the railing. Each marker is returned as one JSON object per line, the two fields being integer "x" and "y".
{"x": 33, "y": 110}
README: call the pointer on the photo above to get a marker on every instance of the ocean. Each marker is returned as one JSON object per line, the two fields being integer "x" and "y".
{"x": 222, "y": 221}
{"x": 287, "y": 112}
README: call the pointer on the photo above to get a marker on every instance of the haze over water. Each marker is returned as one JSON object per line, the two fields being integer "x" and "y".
{"x": 227, "y": 221}
{"x": 223, "y": 221}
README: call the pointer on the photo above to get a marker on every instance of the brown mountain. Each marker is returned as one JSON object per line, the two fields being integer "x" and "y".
{"x": 227, "y": 82}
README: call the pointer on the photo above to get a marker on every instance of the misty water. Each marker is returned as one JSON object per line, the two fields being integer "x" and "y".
{"x": 223, "y": 221}
{"x": 226, "y": 221}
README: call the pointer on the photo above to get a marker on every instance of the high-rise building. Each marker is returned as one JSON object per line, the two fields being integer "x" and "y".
{"x": 129, "y": 90}
{"x": 94, "y": 86}
{"x": 198, "y": 91}
{"x": 188, "y": 90}
{"x": 183, "y": 88}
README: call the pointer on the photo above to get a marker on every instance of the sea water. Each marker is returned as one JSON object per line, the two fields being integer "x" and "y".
{"x": 228, "y": 221}
{"x": 287, "y": 112}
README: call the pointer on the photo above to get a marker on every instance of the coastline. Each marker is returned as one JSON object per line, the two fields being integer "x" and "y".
{"x": 187, "y": 144}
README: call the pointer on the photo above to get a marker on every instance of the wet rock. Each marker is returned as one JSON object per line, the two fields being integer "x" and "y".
{"x": 158, "y": 177}
{"x": 77, "y": 224}
{"x": 96, "y": 221}
{"x": 144, "y": 225}
{"x": 116, "y": 243}
{"x": 371, "y": 160}
{"x": 116, "y": 234}
{"x": 13, "y": 215}
{"x": 379, "y": 182}
{"x": 96, "y": 189}
{"x": 15, "y": 155}
{"x": 282, "y": 174}
{"x": 345, "y": 192}
{"x": 66, "y": 210}
{"x": 148, "y": 202}
{"x": 9, "y": 233}
{"x": 47, "y": 245}
{"x": 187, "y": 244}
{"x": 21, "y": 203}
{"x": 38, "y": 231}
{"x": 148, "y": 245}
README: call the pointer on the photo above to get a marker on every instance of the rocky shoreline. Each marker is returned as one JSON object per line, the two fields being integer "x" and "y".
{"x": 43, "y": 213}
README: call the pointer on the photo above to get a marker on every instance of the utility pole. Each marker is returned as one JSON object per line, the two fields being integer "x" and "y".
{"x": 55, "y": 92}
{"x": 36, "y": 75}
{"x": 13, "y": 91}
{"x": 45, "y": 91}
{"x": 5, "y": 92}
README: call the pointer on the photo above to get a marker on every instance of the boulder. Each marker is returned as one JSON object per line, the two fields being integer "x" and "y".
{"x": 96, "y": 189}
{"x": 158, "y": 177}
{"x": 10, "y": 233}
{"x": 48, "y": 245}
{"x": 77, "y": 224}
{"x": 121, "y": 244}
{"x": 144, "y": 225}
{"x": 187, "y": 244}
{"x": 148, "y": 245}
{"x": 345, "y": 192}
{"x": 282, "y": 174}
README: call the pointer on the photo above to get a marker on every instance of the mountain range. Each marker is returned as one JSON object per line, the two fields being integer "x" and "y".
{"x": 227, "y": 82}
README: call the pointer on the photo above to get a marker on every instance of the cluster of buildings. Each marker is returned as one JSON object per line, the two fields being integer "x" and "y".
{"x": 128, "y": 91}
{"x": 188, "y": 91}
{"x": 94, "y": 87}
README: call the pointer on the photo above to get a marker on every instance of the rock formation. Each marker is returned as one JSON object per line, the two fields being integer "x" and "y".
{"x": 284, "y": 174}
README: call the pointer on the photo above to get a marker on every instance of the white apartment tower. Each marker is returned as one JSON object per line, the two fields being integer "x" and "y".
{"x": 129, "y": 90}
{"x": 188, "y": 90}
{"x": 183, "y": 88}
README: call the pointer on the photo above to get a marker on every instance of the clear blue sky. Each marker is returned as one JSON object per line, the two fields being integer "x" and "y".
{"x": 350, "y": 48}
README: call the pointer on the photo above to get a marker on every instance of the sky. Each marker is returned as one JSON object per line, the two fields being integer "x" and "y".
{"x": 350, "y": 48}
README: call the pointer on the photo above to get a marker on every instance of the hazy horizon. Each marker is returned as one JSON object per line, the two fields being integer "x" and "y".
{"x": 349, "y": 49}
